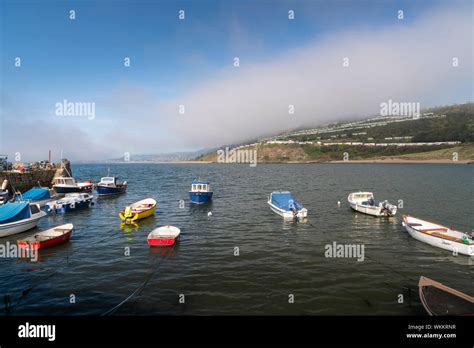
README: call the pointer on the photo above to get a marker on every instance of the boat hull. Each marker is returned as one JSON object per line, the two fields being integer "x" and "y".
{"x": 163, "y": 236}
{"x": 20, "y": 226}
{"x": 76, "y": 206}
{"x": 440, "y": 300}
{"x": 286, "y": 214}
{"x": 110, "y": 191}
{"x": 200, "y": 197}
{"x": 70, "y": 207}
{"x": 45, "y": 244}
{"x": 72, "y": 189}
{"x": 369, "y": 209}
{"x": 441, "y": 243}
{"x": 159, "y": 242}
{"x": 138, "y": 216}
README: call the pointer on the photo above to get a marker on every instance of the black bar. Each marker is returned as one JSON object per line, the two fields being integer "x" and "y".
{"x": 241, "y": 330}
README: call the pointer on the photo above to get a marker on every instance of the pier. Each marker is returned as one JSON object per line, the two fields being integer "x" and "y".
{"x": 23, "y": 181}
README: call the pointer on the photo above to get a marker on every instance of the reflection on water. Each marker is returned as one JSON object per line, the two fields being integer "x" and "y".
{"x": 129, "y": 228}
{"x": 276, "y": 257}
{"x": 165, "y": 251}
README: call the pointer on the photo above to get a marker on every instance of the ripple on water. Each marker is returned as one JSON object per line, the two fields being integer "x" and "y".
{"x": 276, "y": 259}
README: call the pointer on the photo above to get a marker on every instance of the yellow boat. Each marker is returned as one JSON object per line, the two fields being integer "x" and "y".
{"x": 138, "y": 210}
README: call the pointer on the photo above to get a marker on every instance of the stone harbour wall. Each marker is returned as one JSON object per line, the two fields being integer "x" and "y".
{"x": 41, "y": 177}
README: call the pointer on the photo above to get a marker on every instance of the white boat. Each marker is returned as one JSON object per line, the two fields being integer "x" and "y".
{"x": 364, "y": 202}
{"x": 439, "y": 236}
{"x": 286, "y": 206}
{"x": 163, "y": 236}
{"x": 17, "y": 217}
{"x": 70, "y": 202}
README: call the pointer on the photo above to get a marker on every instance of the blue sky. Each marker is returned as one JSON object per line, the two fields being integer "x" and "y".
{"x": 82, "y": 60}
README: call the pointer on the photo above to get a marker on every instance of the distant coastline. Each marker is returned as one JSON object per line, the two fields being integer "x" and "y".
{"x": 362, "y": 161}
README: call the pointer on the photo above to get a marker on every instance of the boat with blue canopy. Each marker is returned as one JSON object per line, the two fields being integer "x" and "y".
{"x": 17, "y": 217}
{"x": 201, "y": 192}
{"x": 38, "y": 195}
{"x": 286, "y": 206}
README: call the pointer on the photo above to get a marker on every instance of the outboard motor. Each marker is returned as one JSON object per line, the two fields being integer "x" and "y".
{"x": 292, "y": 206}
{"x": 389, "y": 209}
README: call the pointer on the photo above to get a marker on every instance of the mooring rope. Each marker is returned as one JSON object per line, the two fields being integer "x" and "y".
{"x": 140, "y": 288}
{"x": 53, "y": 273}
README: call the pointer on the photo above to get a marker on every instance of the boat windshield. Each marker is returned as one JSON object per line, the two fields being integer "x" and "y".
{"x": 34, "y": 209}
{"x": 65, "y": 181}
{"x": 200, "y": 187}
{"x": 363, "y": 196}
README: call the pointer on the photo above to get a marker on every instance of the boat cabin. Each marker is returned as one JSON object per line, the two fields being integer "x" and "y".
{"x": 362, "y": 196}
{"x": 200, "y": 186}
{"x": 108, "y": 181}
{"x": 64, "y": 181}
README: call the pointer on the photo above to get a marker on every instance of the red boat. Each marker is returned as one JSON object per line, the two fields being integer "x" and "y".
{"x": 49, "y": 238}
{"x": 163, "y": 236}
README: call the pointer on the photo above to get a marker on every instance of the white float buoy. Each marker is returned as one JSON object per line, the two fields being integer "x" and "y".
{"x": 209, "y": 214}
{"x": 338, "y": 203}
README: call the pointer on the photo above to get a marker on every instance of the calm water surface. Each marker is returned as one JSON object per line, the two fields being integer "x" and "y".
{"x": 276, "y": 258}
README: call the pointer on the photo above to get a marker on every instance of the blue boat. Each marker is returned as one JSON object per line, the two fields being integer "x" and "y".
{"x": 285, "y": 205}
{"x": 200, "y": 192}
{"x": 71, "y": 202}
{"x": 110, "y": 185}
{"x": 39, "y": 195}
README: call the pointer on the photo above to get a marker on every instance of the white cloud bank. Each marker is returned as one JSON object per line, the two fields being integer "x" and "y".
{"x": 409, "y": 63}
{"x": 402, "y": 63}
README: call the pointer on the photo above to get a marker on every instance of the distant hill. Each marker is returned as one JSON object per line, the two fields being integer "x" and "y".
{"x": 375, "y": 138}
{"x": 447, "y": 123}
{"x": 163, "y": 157}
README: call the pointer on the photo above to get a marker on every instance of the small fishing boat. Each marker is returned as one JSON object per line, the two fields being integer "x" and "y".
{"x": 285, "y": 205}
{"x": 65, "y": 185}
{"x": 138, "y": 210}
{"x": 439, "y": 299}
{"x": 364, "y": 202}
{"x": 439, "y": 236}
{"x": 46, "y": 239}
{"x": 110, "y": 185}
{"x": 38, "y": 195}
{"x": 163, "y": 236}
{"x": 70, "y": 202}
{"x": 200, "y": 192}
{"x": 17, "y": 217}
